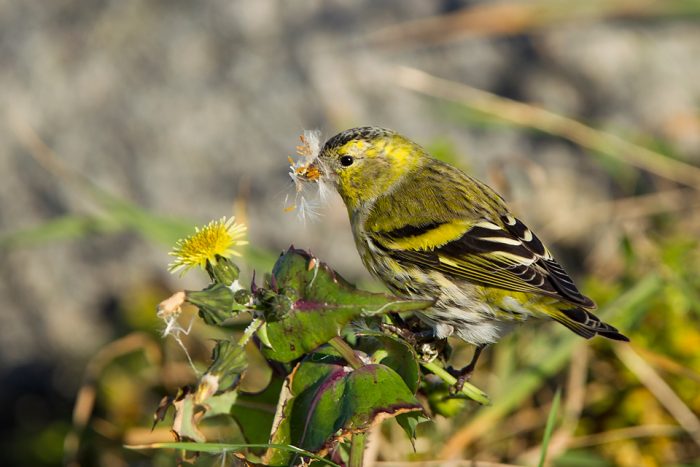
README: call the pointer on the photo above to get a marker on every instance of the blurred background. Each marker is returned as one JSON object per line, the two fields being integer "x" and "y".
{"x": 125, "y": 123}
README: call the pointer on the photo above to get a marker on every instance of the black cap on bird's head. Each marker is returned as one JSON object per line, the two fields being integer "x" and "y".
{"x": 363, "y": 133}
{"x": 342, "y": 150}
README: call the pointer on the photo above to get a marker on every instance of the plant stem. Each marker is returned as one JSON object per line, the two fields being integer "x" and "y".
{"x": 346, "y": 352}
{"x": 249, "y": 331}
{"x": 357, "y": 449}
{"x": 468, "y": 389}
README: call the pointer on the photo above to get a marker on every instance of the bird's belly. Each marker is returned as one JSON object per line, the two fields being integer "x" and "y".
{"x": 476, "y": 314}
{"x": 472, "y": 312}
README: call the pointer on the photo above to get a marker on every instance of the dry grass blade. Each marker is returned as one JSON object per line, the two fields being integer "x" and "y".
{"x": 442, "y": 463}
{"x": 85, "y": 400}
{"x": 521, "y": 421}
{"x": 630, "y": 209}
{"x": 530, "y": 116}
{"x": 662, "y": 391}
{"x": 507, "y": 18}
{"x": 611, "y": 436}
{"x": 667, "y": 364}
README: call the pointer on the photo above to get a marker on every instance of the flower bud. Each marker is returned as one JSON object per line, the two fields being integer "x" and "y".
{"x": 215, "y": 303}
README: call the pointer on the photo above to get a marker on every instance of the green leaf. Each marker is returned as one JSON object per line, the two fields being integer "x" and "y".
{"x": 324, "y": 303}
{"x": 375, "y": 392}
{"x": 191, "y": 409}
{"x": 440, "y": 399}
{"x": 393, "y": 352}
{"x": 255, "y": 412}
{"x": 409, "y": 422}
{"x": 306, "y": 377}
{"x": 214, "y": 395}
{"x": 317, "y": 412}
{"x": 228, "y": 365}
{"x": 220, "y": 404}
{"x": 215, "y": 303}
{"x": 187, "y": 418}
{"x": 328, "y": 401}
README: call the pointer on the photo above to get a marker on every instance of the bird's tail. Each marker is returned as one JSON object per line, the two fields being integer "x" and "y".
{"x": 586, "y": 324}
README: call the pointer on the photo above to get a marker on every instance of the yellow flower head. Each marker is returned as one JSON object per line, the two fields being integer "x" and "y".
{"x": 218, "y": 238}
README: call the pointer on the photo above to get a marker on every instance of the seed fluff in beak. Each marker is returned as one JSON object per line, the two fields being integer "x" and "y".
{"x": 304, "y": 172}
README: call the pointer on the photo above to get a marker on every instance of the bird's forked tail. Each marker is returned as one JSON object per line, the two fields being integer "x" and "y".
{"x": 586, "y": 324}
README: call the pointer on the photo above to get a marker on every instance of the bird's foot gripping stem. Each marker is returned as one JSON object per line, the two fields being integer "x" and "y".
{"x": 422, "y": 341}
{"x": 465, "y": 373}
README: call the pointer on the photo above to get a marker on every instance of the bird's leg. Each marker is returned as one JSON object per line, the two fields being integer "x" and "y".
{"x": 412, "y": 337}
{"x": 408, "y": 331}
{"x": 465, "y": 373}
{"x": 423, "y": 340}
{"x": 405, "y": 334}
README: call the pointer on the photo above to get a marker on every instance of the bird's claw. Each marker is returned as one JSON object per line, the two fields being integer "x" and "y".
{"x": 423, "y": 342}
{"x": 463, "y": 376}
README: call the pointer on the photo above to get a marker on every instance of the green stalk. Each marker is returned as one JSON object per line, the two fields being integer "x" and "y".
{"x": 357, "y": 449}
{"x": 549, "y": 428}
{"x": 250, "y": 330}
{"x": 346, "y": 352}
{"x": 468, "y": 389}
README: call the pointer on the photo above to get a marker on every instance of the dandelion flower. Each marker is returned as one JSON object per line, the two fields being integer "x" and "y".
{"x": 216, "y": 239}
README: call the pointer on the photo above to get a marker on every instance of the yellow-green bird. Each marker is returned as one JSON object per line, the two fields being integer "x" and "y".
{"x": 427, "y": 229}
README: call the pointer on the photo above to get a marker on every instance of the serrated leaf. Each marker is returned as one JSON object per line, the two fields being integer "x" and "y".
{"x": 324, "y": 304}
{"x": 280, "y": 433}
{"x": 319, "y": 365}
{"x": 409, "y": 422}
{"x": 186, "y": 421}
{"x": 393, "y": 352}
{"x": 328, "y": 401}
{"x": 375, "y": 392}
{"x": 189, "y": 413}
{"x": 318, "y": 413}
{"x": 229, "y": 363}
{"x": 400, "y": 356}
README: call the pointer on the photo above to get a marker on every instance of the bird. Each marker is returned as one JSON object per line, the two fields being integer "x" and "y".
{"x": 428, "y": 230}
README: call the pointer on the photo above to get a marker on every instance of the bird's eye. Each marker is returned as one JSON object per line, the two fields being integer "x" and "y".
{"x": 346, "y": 161}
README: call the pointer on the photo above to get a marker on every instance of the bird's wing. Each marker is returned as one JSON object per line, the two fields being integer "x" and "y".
{"x": 501, "y": 253}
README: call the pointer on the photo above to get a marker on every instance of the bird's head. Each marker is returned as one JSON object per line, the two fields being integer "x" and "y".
{"x": 363, "y": 163}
